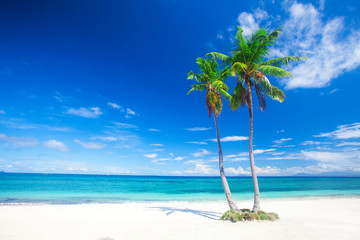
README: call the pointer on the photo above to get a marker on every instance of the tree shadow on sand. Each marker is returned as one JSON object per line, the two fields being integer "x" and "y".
{"x": 202, "y": 213}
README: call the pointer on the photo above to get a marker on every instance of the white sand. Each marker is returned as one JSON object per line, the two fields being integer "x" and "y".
{"x": 323, "y": 218}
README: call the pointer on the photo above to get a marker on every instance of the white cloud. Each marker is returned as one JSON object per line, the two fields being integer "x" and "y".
{"x": 231, "y": 139}
{"x": 154, "y": 130}
{"x": 160, "y": 161}
{"x": 105, "y": 138}
{"x": 237, "y": 171}
{"x": 280, "y": 141}
{"x": 115, "y": 106}
{"x": 124, "y": 125}
{"x": 179, "y": 158}
{"x": 338, "y": 157}
{"x": 200, "y": 169}
{"x": 198, "y": 129}
{"x": 23, "y": 141}
{"x": 344, "y": 132}
{"x": 130, "y": 113}
{"x": 333, "y": 91}
{"x": 2, "y": 112}
{"x": 268, "y": 171}
{"x": 61, "y": 98}
{"x": 310, "y": 143}
{"x": 348, "y": 144}
{"x": 259, "y": 151}
{"x": 153, "y": 155}
{"x": 157, "y": 144}
{"x": 250, "y": 22}
{"x": 200, "y": 143}
{"x": 330, "y": 47}
{"x": 203, "y": 152}
{"x": 57, "y": 145}
{"x": 90, "y": 145}
{"x": 92, "y": 112}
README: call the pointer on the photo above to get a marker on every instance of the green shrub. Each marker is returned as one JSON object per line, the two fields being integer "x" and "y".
{"x": 246, "y": 215}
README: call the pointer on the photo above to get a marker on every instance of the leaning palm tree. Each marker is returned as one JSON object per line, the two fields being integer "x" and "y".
{"x": 211, "y": 80}
{"x": 247, "y": 63}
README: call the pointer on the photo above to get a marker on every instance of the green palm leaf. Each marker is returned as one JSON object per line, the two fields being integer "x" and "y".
{"x": 274, "y": 71}
{"x": 278, "y": 62}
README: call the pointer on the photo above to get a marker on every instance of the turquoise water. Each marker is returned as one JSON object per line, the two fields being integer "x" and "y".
{"x": 74, "y": 189}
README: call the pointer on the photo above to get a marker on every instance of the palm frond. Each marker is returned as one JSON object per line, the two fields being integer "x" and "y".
{"x": 219, "y": 56}
{"x": 260, "y": 96}
{"x": 219, "y": 85}
{"x": 277, "y": 94}
{"x": 278, "y": 62}
{"x": 275, "y": 34}
{"x": 197, "y": 87}
{"x": 239, "y": 67}
{"x": 239, "y": 97}
{"x": 274, "y": 71}
{"x": 225, "y": 94}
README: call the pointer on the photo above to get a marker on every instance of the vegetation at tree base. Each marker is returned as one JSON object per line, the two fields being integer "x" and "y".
{"x": 246, "y": 215}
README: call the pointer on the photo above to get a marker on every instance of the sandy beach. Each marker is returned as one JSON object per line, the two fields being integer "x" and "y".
{"x": 310, "y": 218}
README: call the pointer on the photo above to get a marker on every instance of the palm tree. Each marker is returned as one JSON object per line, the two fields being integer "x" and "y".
{"x": 247, "y": 63}
{"x": 211, "y": 80}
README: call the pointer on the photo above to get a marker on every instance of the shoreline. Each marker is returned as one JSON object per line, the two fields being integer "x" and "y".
{"x": 301, "y": 218}
{"x": 287, "y": 198}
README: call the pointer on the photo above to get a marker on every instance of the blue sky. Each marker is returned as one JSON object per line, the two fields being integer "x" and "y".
{"x": 99, "y": 87}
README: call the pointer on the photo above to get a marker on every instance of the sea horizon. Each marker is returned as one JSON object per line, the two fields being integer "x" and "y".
{"x": 39, "y": 188}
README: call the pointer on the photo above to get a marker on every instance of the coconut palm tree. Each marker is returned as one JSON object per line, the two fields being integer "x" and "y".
{"x": 247, "y": 63}
{"x": 211, "y": 80}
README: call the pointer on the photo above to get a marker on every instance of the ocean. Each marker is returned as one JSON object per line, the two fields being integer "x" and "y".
{"x": 20, "y": 188}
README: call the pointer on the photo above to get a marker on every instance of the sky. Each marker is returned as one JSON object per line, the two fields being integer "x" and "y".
{"x": 99, "y": 87}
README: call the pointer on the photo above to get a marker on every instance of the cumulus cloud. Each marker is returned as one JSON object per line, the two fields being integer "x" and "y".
{"x": 92, "y": 112}
{"x": 347, "y": 131}
{"x": 152, "y": 155}
{"x": 250, "y": 22}
{"x": 20, "y": 141}
{"x": 57, "y": 145}
{"x": 201, "y": 153}
{"x": 331, "y": 49}
{"x": 231, "y": 139}
{"x": 198, "y": 129}
{"x": 90, "y": 145}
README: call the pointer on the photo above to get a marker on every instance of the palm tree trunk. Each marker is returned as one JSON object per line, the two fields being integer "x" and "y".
{"x": 225, "y": 184}
{"x": 251, "y": 154}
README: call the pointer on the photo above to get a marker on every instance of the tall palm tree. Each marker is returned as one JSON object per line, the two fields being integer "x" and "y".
{"x": 211, "y": 80}
{"x": 248, "y": 64}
